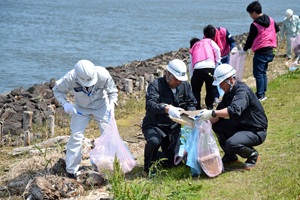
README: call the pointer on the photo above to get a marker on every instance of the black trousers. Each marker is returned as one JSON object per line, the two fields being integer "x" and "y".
{"x": 199, "y": 77}
{"x": 232, "y": 141}
{"x": 169, "y": 144}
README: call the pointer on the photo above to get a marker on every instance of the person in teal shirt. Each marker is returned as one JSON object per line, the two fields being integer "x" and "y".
{"x": 290, "y": 26}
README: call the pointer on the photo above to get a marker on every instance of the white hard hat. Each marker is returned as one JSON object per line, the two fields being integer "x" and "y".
{"x": 288, "y": 13}
{"x": 86, "y": 73}
{"x": 178, "y": 69}
{"x": 223, "y": 72}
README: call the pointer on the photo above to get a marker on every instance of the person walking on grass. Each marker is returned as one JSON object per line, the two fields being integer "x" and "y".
{"x": 95, "y": 94}
{"x": 290, "y": 26}
{"x": 226, "y": 43}
{"x": 262, "y": 40}
{"x": 204, "y": 56}
{"x": 239, "y": 121}
{"x": 165, "y": 97}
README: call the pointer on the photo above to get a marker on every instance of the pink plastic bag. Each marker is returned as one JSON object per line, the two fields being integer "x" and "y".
{"x": 107, "y": 145}
{"x": 208, "y": 152}
{"x": 237, "y": 62}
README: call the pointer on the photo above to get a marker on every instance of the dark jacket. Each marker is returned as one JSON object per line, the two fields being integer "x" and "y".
{"x": 159, "y": 93}
{"x": 244, "y": 108}
{"x": 264, "y": 21}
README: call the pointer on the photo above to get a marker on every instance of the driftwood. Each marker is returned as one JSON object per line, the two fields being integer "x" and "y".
{"x": 49, "y": 143}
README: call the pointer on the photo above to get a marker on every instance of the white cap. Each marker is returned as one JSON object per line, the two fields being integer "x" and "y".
{"x": 223, "y": 72}
{"x": 178, "y": 69}
{"x": 288, "y": 13}
{"x": 86, "y": 73}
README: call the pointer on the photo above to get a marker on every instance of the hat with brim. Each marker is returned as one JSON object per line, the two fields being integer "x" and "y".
{"x": 86, "y": 73}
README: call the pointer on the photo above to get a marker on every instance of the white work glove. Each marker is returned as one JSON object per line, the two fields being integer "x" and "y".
{"x": 69, "y": 108}
{"x": 242, "y": 52}
{"x": 204, "y": 115}
{"x": 174, "y": 112}
{"x": 234, "y": 50}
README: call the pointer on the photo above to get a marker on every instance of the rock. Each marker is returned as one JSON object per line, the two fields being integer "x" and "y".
{"x": 66, "y": 187}
{"x": 18, "y": 91}
{"x": 40, "y": 188}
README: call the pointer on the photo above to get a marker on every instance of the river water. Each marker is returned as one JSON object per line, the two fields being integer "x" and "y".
{"x": 43, "y": 39}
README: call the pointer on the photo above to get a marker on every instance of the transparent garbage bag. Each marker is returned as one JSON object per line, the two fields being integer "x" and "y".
{"x": 237, "y": 61}
{"x": 296, "y": 45}
{"x": 107, "y": 146}
{"x": 208, "y": 152}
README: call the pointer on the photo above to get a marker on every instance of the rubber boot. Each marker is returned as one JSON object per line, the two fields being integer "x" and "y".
{"x": 252, "y": 157}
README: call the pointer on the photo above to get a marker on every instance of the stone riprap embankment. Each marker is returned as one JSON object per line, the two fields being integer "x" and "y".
{"x": 38, "y": 97}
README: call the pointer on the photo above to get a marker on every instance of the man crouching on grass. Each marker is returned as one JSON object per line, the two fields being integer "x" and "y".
{"x": 240, "y": 121}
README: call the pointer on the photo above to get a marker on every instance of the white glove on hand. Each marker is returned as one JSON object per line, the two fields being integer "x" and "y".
{"x": 242, "y": 52}
{"x": 174, "y": 112}
{"x": 234, "y": 50}
{"x": 204, "y": 115}
{"x": 69, "y": 108}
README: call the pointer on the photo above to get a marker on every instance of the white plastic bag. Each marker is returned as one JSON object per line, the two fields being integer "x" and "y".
{"x": 109, "y": 144}
{"x": 237, "y": 61}
{"x": 208, "y": 152}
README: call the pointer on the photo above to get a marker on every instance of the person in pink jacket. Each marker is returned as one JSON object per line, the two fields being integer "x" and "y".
{"x": 204, "y": 56}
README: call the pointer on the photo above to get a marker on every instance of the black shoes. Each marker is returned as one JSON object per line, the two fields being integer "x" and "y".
{"x": 252, "y": 157}
{"x": 73, "y": 176}
{"x": 227, "y": 161}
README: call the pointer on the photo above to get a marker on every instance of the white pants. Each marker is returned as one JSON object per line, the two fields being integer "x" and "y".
{"x": 78, "y": 125}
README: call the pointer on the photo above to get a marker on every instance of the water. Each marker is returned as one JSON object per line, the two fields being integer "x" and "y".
{"x": 41, "y": 40}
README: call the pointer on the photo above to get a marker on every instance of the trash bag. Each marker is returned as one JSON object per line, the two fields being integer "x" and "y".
{"x": 109, "y": 144}
{"x": 188, "y": 149}
{"x": 296, "y": 45}
{"x": 237, "y": 61}
{"x": 208, "y": 152}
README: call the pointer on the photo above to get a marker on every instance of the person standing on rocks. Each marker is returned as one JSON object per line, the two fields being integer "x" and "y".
{"x": 95, "y": 94}
{"x": 290, "y": 26}
{"x": 165, "y": 97}
{"x": 204, "y": 56}
{"x": 239, "y": 121}
{"x": 262, "y": 40}
{"x": 226, "y": 43}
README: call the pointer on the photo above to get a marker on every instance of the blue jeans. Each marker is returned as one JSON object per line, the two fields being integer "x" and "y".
{"x": 260, "y": 67}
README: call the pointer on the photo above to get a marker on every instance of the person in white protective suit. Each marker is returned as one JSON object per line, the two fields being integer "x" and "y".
{"x": 95, "y": 94}
{"x": 290, "y": 26}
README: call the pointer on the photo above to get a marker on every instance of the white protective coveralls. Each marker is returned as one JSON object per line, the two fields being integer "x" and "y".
{"x": 290, "y": 26}
{"x": 104, "y": 93}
